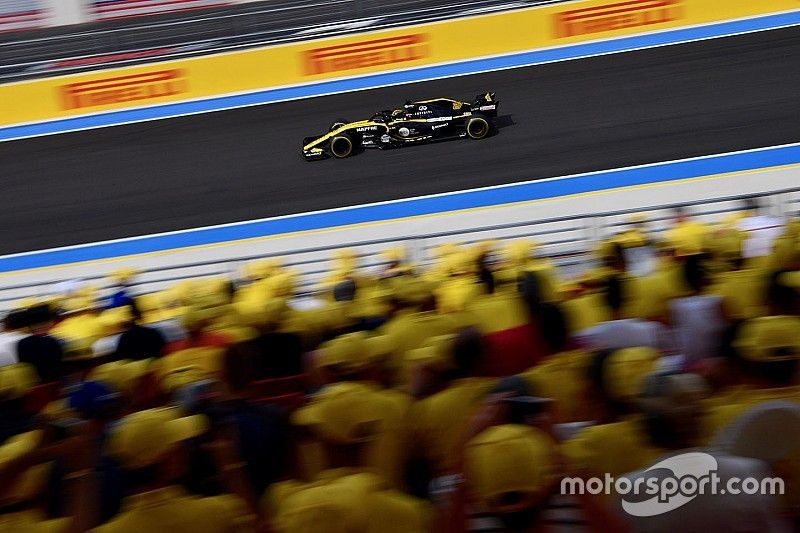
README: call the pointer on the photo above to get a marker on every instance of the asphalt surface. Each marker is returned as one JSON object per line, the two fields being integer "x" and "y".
{"x": 606, "y": 112}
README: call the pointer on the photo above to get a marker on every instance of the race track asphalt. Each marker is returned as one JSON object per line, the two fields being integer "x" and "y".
{"x": 562, "y": 118}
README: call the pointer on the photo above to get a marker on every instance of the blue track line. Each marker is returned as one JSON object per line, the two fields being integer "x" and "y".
{"x": 535, "y": 190}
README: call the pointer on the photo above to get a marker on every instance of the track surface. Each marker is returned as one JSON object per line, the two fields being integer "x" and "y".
{"x": 599, "y": 113}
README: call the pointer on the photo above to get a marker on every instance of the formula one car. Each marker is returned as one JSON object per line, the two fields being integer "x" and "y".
{"x": 414, "y": 123}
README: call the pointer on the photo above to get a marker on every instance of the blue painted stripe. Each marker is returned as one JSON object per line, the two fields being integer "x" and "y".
{"x": 536, "y": 190}
{"x": 406, "y": 76}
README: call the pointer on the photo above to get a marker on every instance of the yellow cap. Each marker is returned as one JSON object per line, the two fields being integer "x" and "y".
{"x": 625, "y": 370}
{"x": 509, "y": 459}
{"x": 143, "y": 438}
{"x": 394, "y": 254}
{"x": 519, "y": 251}
{"x": 349, "y": 352}
{"x": 123, "y": 275}
{"x": 29, "y": 484}
{"x": 790, "y": 279}
{"x": 16, "y": 380}
{"x": 27, "y": 303}
{"x": 178, "y": 378}
{"x": 411, "y": 290}
{"x": 770, "y": 338}
{"x": 344, "y": 260}
{"x": 122, "y": 375}
{"x": 379, "y": 347}
{"x": 437, "y": 349}
{"x": 342, "y": 413}
{"x": 321, "y": 508}
{"x": 112, "y": 319}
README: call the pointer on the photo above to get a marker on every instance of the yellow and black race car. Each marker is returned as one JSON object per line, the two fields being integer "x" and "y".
{"x": 414, "y": 123}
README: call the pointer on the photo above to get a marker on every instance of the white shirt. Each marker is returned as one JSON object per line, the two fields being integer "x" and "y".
{"x": 8, "y": 347}
{"x": 105, "y": 345}
{"x": 762, "y": 230}
{"x": 170, "y": 328}
{"x": 698, "y": 325}
{"x": 625, "y": 333}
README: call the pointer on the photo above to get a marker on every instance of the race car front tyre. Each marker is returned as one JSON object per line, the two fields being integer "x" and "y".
{"x": 341, "y": 146}
{"x": 478, "y": 128}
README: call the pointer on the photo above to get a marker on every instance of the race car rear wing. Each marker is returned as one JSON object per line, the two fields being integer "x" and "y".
{"x": 487, "y": 104}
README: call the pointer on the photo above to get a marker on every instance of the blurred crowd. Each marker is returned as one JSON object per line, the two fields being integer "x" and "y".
{"x": 399, "y": 399}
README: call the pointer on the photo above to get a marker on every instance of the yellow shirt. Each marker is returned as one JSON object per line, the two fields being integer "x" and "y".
{"x": 438, "y": 422}
{"x": 688, "y": 237}
{"x": 170, "y": 510}
{"x": 362, "y": 503}
{"x": 32, "y": 522}
{"x": 616, "y": 448}
{"x": 386, "y": 453}
{"x": 585, "y": 311}
{"x": 742, "y": 292}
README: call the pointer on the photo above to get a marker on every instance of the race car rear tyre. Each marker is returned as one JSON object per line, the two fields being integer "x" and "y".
{"x": 341, "y": 146}
{"x": 478, "y": 128}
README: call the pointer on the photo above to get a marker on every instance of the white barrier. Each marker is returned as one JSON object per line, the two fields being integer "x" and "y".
{"x": 565, "y": 226}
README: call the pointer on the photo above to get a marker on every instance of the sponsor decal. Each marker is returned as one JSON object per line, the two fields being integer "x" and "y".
{"x": 435, "y": 126}
{"x": 367, "y": 128}
{"x": 487, "y": 107}
{"x": 404, "y": 132}
{"x": 607, "y": 17}
{"x": 363, "y": 54}
{"x": 147, "y": 86}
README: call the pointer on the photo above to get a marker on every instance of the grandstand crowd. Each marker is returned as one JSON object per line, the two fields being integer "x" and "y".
{"x": 447, "y": 399}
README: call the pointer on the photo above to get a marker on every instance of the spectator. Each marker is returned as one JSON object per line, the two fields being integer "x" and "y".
{"x": 112, "y": 322}
{"x": 439, "y": 421}
{"x": 617, "y": 443}
{"x": 13, "y": 326}
{"x": 16, "y": 384}
{"x": 39, "y": 349}
{"x": 345, "y": 419}
{"x": 196, "y": 322}
{"x": 121, "y": 280}
{"x": 672, "y": 406}
{"x": 356, "y": 358}
{"x": 620, "y": 332}
{"x": 137, "y": 341}
{"x": 761, "y": 230}
{"x": 148, "y": 445}
{"x": 697, "y": 319}
{"x": 26, "y": 461}
{"x": 686, "y": 237}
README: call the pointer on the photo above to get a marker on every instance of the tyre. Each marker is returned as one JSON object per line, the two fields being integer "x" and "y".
{"x": 478, "y": 128}
{"x": 341, "y": 146}
{"x": 338, "y": 124}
